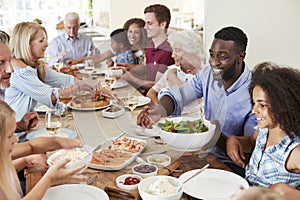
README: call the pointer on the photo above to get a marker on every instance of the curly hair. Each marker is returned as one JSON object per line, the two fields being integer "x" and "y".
{"x": 233, "y": 34}
{"x": 282, "y": 87}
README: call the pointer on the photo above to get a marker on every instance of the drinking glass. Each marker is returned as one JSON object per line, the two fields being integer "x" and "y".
{"x": 110, "y": 79}
{"x": 59, "y": 65}
{"x": 65, "y": 96}
{"x": 89, "y": 66}
{"x": 53, "y": 121}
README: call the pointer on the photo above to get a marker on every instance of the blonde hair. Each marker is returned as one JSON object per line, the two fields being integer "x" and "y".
{"x": 6, "y": 165}
{"x": 258, "y": 193}
{"x": 19, "y": 43}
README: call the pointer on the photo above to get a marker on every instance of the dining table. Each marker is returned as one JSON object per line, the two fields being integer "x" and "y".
{"x": 93, "y": 128}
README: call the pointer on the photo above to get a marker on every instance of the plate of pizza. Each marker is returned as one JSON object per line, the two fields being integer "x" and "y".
{"x": 118, "y": 155}
{"x": 89, "y": 100}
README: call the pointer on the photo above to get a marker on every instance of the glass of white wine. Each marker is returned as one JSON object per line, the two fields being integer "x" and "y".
{"x": 65, "y": 96}
{"x": 89, "y": 66}
{"x": 53, "y": 121}
{"x": 110, "y": 79}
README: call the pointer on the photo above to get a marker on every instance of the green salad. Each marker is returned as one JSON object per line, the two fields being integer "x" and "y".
{"x": 196, "y": 126}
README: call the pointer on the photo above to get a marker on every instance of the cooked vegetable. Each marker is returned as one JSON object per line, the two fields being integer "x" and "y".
{"x": 196, "y": 126}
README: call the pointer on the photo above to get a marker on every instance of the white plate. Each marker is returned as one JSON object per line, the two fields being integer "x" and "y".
{"x": 89, "y": 109}
{"x": 213, "y": 184}
{"x": 123, "y": 165}
{"x": 75, "y": 191}
{"x": 63, "y": 132}
{"x": 142, "y": 101}
{"x": 41, "y": 108}
{"x": 120, "y": 84}
{"x": 149, "y": 132}
{"x": 96, "y": 71}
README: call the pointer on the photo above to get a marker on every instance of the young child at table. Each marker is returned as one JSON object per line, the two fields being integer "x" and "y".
{"x": 276, "y": 98}
{"x": 121, "y": 45}
{"x": 9, "y": 184}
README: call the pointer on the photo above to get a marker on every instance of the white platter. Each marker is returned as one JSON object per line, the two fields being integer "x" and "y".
{"x": 120, "y": 84}
{"x": 75, "y": 191}
{"x": 122, "y": 166}
{"x": 63, "y": 132}
{"x": 213, "y": 184}
{"x": 142, "y": 100}
{"x": 42, "y": 108}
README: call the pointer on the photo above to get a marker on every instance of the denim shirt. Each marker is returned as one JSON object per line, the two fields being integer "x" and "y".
{"x": 231, "y": 107}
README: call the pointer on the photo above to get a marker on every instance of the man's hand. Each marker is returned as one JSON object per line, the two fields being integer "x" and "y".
{"x": 149, "y": 116}
{"x": 28, "y": 121}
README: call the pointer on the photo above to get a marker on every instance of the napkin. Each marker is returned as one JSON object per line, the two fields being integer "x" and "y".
{"x": 114, "y": 191}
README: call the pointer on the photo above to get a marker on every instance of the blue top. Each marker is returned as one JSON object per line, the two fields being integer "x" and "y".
{"x": 231, "y": 107}
{"x": 27, "y": 89}
{"x": 126, "y": 57}
{"x": 267, "y": 166}
{"x": 78, "y": 47}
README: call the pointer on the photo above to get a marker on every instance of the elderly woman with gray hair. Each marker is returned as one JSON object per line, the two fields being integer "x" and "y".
{"x": 188, "y": 56}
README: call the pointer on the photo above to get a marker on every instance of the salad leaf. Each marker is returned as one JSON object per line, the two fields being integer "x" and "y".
{"x": 196, "y": 126}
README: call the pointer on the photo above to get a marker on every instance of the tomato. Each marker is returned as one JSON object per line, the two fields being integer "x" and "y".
{"x": 131, "y": 181}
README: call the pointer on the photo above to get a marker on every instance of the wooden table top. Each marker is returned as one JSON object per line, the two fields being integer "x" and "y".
{"x": 112, "y": 127}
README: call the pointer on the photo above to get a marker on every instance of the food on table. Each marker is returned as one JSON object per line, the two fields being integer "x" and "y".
{"x": 161, "y": 187}
{"x": 127, "y": 145}
{"x": 159, "y": 160}
{"x": 195, "y": 126}
{"x": 131, "y": 181}
{"x": 73, "y": 154}
{"x": 90, "y": 100}
{"x": 144, "y": 168}
{"x": 110, "y": 157}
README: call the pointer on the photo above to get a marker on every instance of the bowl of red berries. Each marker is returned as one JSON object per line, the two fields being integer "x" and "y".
{"x": 128, "y": 181}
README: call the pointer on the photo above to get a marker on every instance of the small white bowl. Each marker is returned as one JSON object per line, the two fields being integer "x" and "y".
{"x": 116, "y": 70}
{"x": 76, "y": 155}
{"x": 154, "y": 182}
{"x": 159, "y": 159}
{"x": 113, "y": 112}
{"x": 80, "y": 65}
{"x": 145, "y": 170}
{"x": 120, "y": 181}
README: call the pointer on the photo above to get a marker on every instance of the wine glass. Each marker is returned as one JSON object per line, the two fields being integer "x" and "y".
{"x": 89, "y": 66}
{"x": 65, "y": 96}
{"x": 53, "y": 121}
{"x": 110, "y": 79}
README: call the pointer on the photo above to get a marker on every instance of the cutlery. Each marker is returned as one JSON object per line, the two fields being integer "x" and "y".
{"x": 198, "y": 172}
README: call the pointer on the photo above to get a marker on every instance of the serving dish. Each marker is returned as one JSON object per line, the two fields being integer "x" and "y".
{"x": 113, "y": 112}
{"x": 159, "y": 159}
{"x": 128, "y": 181}
{"x": 187, "y": 141}
{"x": 111, "y": 158}
{"x": 145, "y": 169}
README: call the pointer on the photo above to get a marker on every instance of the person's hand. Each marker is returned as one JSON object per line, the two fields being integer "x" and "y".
{"x": 58, "y": 173}
{"x": 37, "y": 160}
{"x": 61, "y": 55}
{"x": 235, "y": 151}
{"x": 28, "y": 121}
{"x": 149, "y": 116}
{"x": 286, "y": 190}
{"x": 110, "y": 62}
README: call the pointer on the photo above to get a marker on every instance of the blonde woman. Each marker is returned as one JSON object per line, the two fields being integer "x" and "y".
{"x": 32, "y": 81}
{"x": 9, "y": 184}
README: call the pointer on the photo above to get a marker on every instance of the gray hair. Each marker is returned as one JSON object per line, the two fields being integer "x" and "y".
{"x": 4, "y": 37}
{"x": 190, "y": 41}
{"x": 72, "y": 16}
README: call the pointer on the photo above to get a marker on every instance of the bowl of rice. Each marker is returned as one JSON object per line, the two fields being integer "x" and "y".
{"x": 78, "y": 157}
{"x": 160, "y": 188}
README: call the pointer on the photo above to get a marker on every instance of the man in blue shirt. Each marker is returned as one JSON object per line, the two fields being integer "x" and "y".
{"x": 70, "y": 44}
{"x": 224, "y": 86}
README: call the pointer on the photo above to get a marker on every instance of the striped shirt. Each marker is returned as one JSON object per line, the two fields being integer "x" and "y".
{"x": 267, "y": 166}
{"x": 27, "y": 89}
